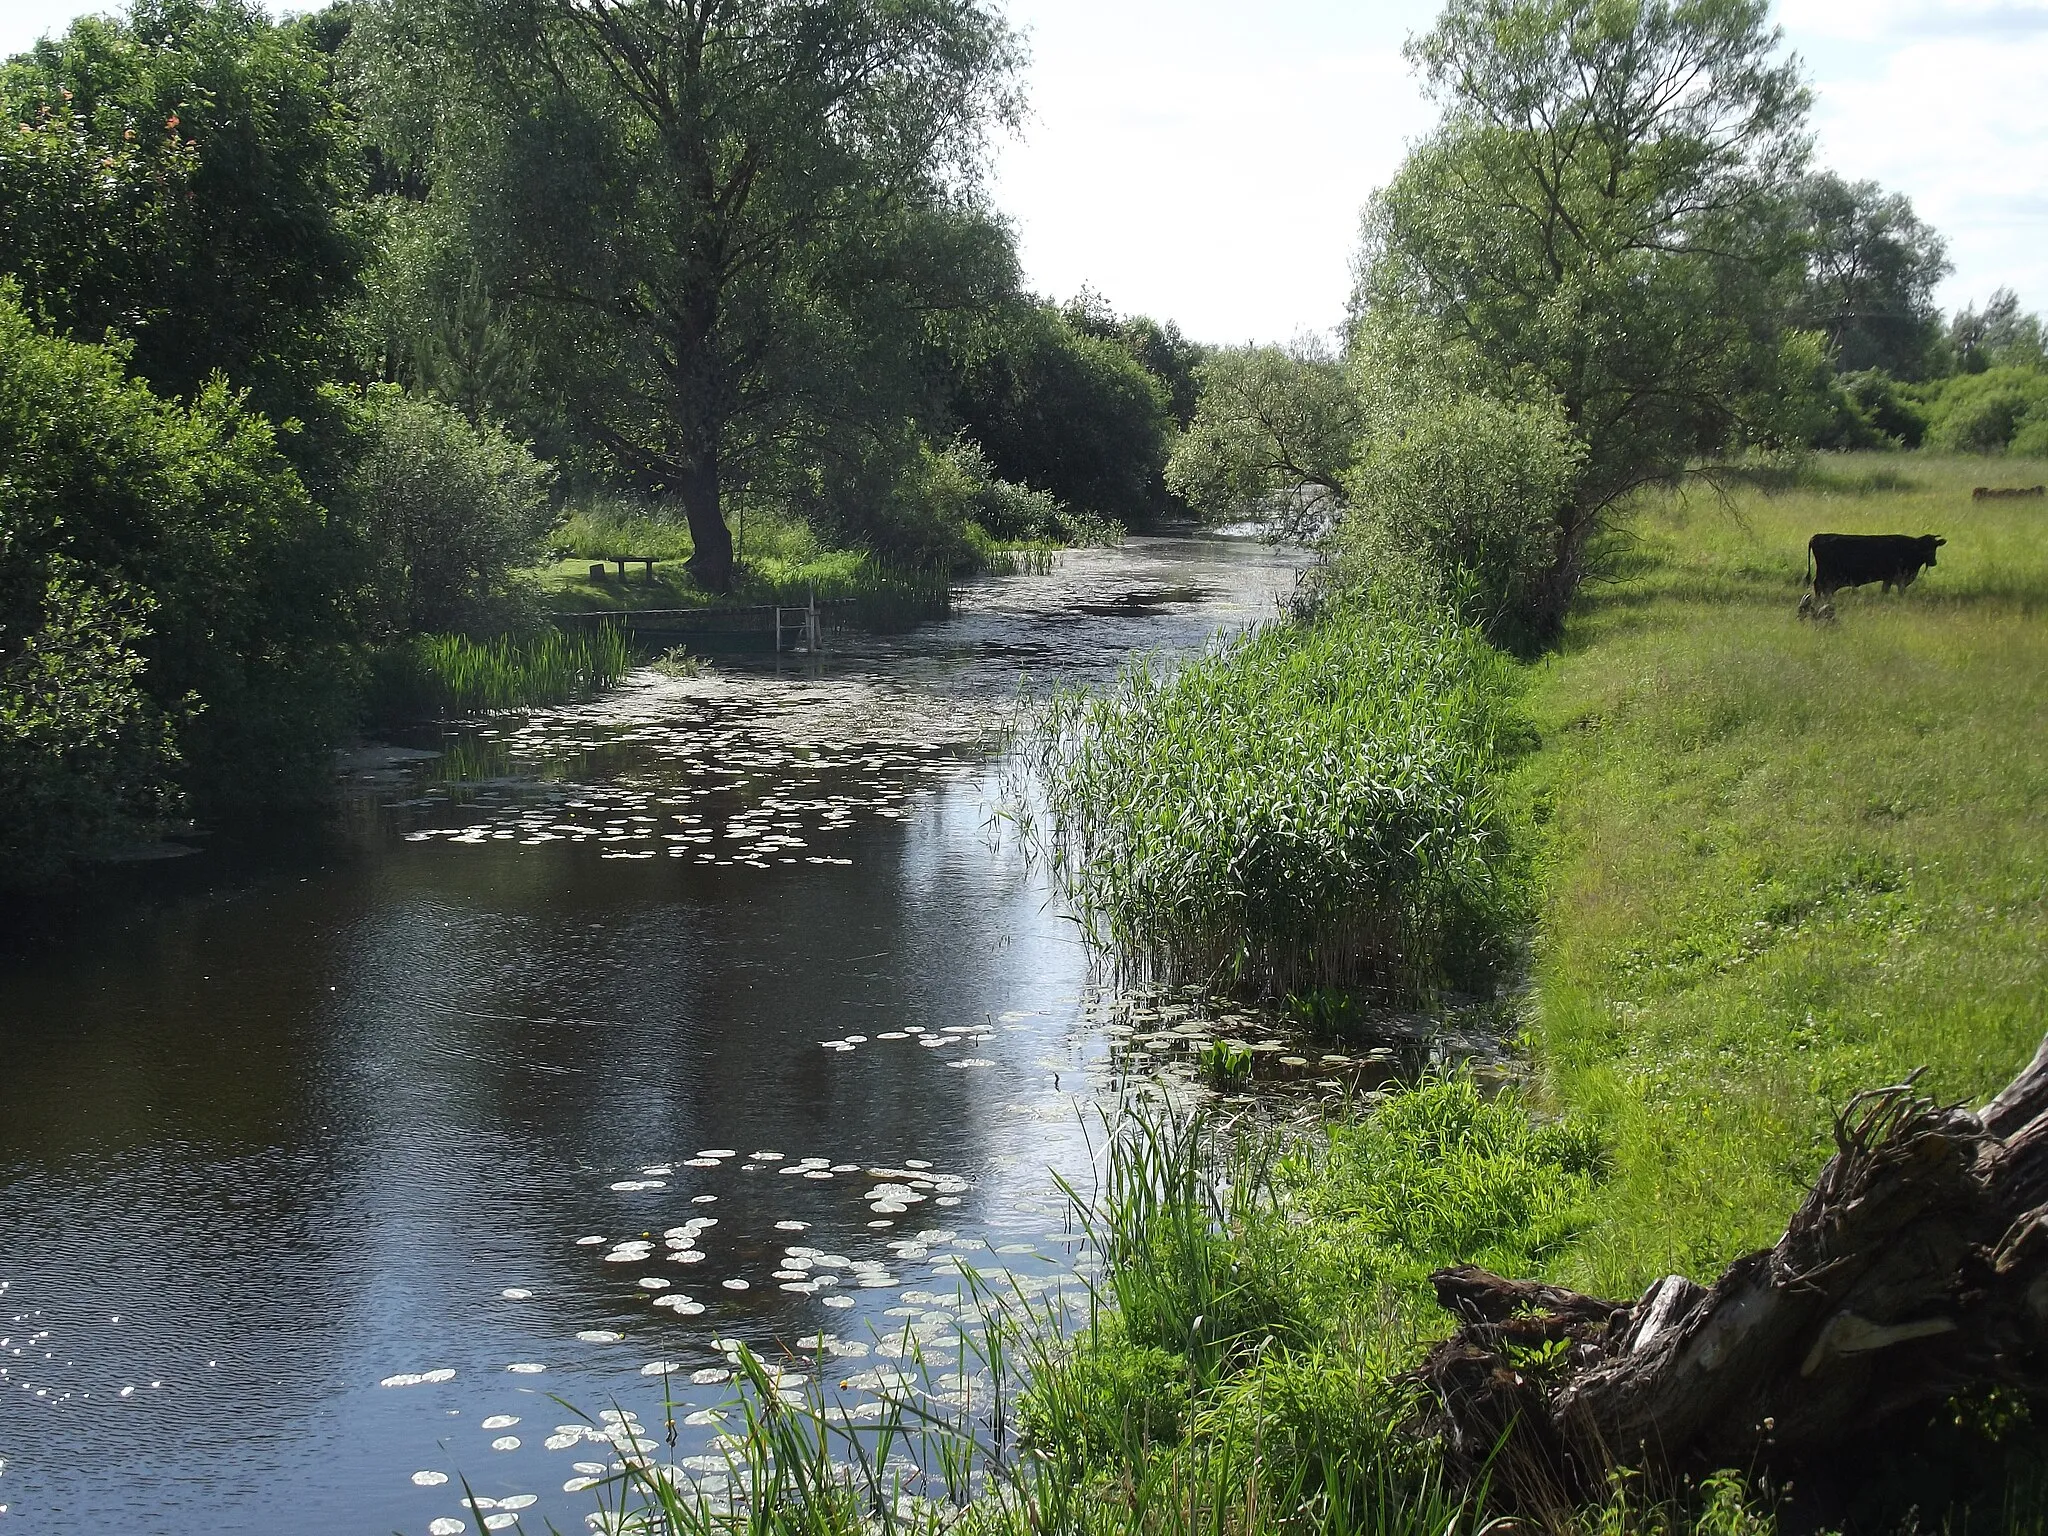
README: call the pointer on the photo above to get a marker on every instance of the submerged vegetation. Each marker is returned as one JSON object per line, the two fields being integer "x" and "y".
{"x": 1306, "y": 806}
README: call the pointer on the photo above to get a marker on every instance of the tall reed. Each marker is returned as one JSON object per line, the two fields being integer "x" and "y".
{"x": 453, "y": 675}
{"x": 1304, "y": 806}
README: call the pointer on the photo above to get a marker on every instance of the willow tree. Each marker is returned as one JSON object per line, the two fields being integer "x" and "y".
{"x": 724, "y": 221}
{"x": 1603, "y": 222}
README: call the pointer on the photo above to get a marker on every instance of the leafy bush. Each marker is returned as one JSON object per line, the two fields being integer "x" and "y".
{"x": 1983, "y": 412}
{"x": 86, "y": 760}
{"x": 188, "y": 521}
{"x": 450, "y": 509}
{"x": 1304, "y": 806}
{"x": 1108, "y": 1397}
{"x": 1468, "y": 493}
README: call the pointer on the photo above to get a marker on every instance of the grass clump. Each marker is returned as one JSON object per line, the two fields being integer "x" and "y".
{"x": 451, "y": 675}
{"x": 1786, "y": 861}
{"x": 1265, "y": 1290}
{"x": 1305, "y": 806}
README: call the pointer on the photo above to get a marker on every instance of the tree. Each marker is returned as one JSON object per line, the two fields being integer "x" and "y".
{"x": 1871, "y": 271}
{"x": 1601, "y": 219}
{"x": 183, "y": 179}
{"x": 1065, "y": 412}
{"x": 2001, "y": 335}
{"x": 1269, "y": 422}
{"x": 725, "y": 222}
{"x": 1160, "y": 349}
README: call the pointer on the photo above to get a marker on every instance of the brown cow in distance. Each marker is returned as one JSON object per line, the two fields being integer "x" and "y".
{"x": 1838, "y": 560}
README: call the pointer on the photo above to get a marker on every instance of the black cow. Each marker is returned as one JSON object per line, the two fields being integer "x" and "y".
{"x": 1838, "y": 560}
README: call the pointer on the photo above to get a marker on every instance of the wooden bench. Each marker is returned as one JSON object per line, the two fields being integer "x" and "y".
{"x": 2002, "y": 492}
{"x": 622, "y": 561}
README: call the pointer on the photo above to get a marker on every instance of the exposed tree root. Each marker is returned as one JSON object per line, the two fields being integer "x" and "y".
{"x": 1917, "y": 1268}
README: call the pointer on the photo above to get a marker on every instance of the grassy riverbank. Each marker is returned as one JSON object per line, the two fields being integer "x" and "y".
{"x": 1786, "y": 861}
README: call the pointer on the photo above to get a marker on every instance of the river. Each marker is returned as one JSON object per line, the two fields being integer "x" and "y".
{"x": 325, "y": 1168}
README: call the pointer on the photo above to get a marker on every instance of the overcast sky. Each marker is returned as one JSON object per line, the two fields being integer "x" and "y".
{"x": 1205, "y": 161}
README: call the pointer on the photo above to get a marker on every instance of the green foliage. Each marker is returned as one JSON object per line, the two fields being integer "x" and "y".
{"x": 1067, "y": 412}
{"x": 2001, "y": 335}
{"x": 430, "y": 676}
{"x": 1443, "y": 1175}
{"x": 1161, "y": 350}
{"x": 86, "y": 760}
{"x": 1466, "y": 497}
{"x": 1600, "y": 219}
{"x": 1224, "y": 1066}
{"x": 1873, "y": 410}
{"x": 1871, "y": 270}
{"x": 450, "y": 509}
{"x": 727, "y": 229}
{"x": 1271, "y": 423}
{"x": 181, "y": 178}
{"x": 1303, "y": 806}
{"x": 1107, "y": 1399}
{"x": 1985, "y": 412}
{"x": 1783, "y": 865}
{"x": 188, "y": 520}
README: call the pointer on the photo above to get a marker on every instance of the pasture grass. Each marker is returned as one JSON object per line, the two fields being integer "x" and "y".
{"x": 1782, "y": 860}
{"x": 1306, "y": 806}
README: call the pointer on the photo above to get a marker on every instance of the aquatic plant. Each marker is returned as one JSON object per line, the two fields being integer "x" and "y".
{"x": 1305, "y": 806}
{"x": 446, "y": 675}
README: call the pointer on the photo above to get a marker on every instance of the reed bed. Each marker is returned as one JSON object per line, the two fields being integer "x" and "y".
{"x": 453, "y": 675}
{"x": 1305, "y": 806}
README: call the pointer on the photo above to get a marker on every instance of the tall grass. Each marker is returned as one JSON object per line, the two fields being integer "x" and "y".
{"x": 1304, "y": 806}
{"x": 1234, "y": 1376}
{"x": 452, "y": 675}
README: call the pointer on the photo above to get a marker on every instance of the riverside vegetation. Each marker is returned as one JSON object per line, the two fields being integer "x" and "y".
{"x": 1769, "y": 863}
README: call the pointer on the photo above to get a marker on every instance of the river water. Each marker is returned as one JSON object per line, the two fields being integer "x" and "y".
{"x": 325, "y": 1170}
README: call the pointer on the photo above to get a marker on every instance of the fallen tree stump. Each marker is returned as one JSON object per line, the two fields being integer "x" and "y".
{"x": 1917, "y": 1268}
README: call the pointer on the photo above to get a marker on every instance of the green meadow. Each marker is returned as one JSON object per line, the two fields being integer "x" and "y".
{"x": 1783, "y": 861}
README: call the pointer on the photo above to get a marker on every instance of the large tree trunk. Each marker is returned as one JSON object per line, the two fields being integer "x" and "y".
{"x": 710, "y": 564}
{"x": 1916, "y": 1268}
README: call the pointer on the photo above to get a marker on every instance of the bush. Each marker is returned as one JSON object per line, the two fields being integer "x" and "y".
{"x": 1983, "y": 412}
{"x": 186, "y": 530}
{"x": 450, "y": 510}
{"x": 1463, "y": 502}
{"x": 86, "y": 760}
{"x": 1304, "y": 806}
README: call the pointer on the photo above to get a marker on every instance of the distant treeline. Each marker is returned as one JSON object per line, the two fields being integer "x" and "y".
{"x": 311, "y": 332}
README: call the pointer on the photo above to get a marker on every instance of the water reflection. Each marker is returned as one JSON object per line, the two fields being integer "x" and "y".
{"x": 302, "y": 1125}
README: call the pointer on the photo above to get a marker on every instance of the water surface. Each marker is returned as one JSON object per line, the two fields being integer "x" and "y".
{"x": 351, "y": 1111}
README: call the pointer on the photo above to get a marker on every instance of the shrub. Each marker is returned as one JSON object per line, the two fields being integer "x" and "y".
{"x": 86, "y": 760}
{"x": 1304, "y": 806}
{"x": 1465, "y": 498}
{"x": 187, "y": 520}
{"x": 1982, "y": 412}
{"x": 450, "y": 510}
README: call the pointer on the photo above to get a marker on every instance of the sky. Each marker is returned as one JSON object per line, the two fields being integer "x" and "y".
{"x": 1205, "y": 161}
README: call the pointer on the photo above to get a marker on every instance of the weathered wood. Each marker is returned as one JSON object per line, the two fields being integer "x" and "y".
{"x": 1916, "y": 1267}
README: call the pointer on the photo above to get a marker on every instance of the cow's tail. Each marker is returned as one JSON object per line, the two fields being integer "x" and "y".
{"x": 1809, "y": 562}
